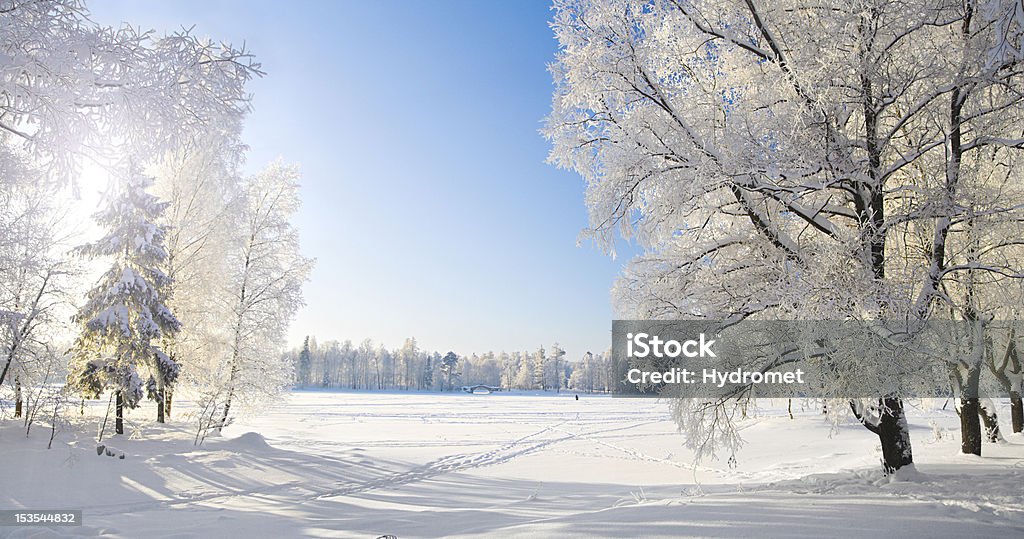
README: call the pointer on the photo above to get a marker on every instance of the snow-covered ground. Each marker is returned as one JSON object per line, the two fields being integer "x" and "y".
{"x": 328, "y": 464}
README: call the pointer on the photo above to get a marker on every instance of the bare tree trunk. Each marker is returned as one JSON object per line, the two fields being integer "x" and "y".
{"x": 990, "y": 420}
{"x": 160, "y": 400}
{"x": 53, "y": 425}
{"x": 970, "y": 426}
{"x": 168, "y": 397}
{"x": 227, "y": 408}
{"x": 894, "y": 433}
{"x": 7, "y": 364}
{"x": 106, "y": 416}
{"x": 1016, "y": 412}
{"x": 18, "y": 404}
{"x": 160, "y": 406}
{"x": 231, "y": 393}
{"x": 892, "y": 430}
{"x": 970, "y": 409}
{"x": 119, "y": 413}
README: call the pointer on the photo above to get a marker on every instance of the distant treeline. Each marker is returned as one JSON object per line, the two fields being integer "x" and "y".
{"x": 371, "y": 366}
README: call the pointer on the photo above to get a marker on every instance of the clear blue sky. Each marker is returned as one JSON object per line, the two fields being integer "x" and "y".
{"x": 426, "y": 199}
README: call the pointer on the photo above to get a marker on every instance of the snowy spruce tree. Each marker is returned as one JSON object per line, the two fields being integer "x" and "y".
{"x": 305, "y": 363}
{"x": 124, "y": 318}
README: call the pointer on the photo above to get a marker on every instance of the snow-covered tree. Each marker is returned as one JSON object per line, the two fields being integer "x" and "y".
{"x": 582, "y": 378}
{"x": 74, "y": 89}
{"x": 305, "y": 364}
{"x": 373, "y": 366}
{"x": 524, "y": 371}
{"x": 265, "y": 290}
{"x": 778, "y": 164}
{"x": 557, "y": 367}
{"x": 538, "y": 364}
{"x": 34, "y": 284}
{"x": 124, "y": 317}
{"x": 407, "y": 359}
{"x": 486, "y": 371}
{"x": 201, "y": 185}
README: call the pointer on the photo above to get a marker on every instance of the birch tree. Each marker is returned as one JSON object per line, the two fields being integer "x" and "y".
{"x": 201, "y": 184}
{"x": 34, "y": 277}
{"x": 265, "y": 290}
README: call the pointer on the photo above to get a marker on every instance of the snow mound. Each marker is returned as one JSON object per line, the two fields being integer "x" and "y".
{"x": 250, "y": 441}
{"x": 861, "y": 481}
{"x": 908, "y": 474}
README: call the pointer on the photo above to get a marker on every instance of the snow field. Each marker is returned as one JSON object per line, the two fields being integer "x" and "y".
{"x": 336, "y": 464}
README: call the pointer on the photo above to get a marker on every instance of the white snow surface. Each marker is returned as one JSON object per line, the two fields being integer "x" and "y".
{"x": 337, "y": 464}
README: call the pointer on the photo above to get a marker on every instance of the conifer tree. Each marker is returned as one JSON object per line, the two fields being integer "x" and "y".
{"x": 124, "y": 318}
{"x": 305, "y": 363}
{"x": 449, "y": 364}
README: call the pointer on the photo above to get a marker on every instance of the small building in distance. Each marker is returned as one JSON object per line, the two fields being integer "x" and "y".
{"x": 481, "y": 389}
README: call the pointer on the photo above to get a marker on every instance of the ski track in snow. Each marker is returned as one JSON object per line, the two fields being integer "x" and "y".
{"x": 641, "y": 456}
{"x": 448, "y": 464}
{"x": 467, "y": 461}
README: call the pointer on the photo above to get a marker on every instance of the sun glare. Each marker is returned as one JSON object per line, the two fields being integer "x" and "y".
{"x": 83, "y": 198}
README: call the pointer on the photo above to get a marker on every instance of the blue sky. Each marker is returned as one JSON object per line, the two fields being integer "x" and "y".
{"x": 426, "y": 199}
